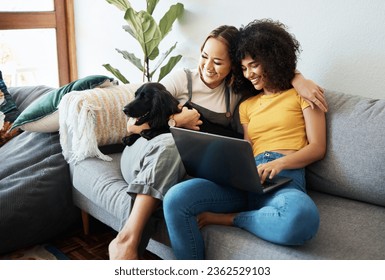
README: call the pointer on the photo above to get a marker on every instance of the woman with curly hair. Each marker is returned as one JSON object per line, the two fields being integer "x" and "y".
{"x": 286, "y": 135}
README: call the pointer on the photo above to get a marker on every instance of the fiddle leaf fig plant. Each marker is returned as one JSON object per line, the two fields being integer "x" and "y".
{"x": 148, "y": 33}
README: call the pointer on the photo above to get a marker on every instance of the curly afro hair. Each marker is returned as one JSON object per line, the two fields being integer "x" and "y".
{"x": 270, "y": 44}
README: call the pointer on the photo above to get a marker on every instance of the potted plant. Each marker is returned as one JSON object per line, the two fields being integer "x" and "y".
{"x": 148, "y": 33}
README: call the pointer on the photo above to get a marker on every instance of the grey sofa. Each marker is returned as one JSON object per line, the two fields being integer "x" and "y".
{"x": 348, "y": 186}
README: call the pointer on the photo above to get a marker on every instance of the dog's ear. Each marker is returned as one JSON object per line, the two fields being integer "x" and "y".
{"x": 163, "y": 106}
{"x": 158, "y": 110}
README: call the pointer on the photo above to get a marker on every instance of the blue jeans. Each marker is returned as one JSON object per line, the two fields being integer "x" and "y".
{"x": 286, "y": 216}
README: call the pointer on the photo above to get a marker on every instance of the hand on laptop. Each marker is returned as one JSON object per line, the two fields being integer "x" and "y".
{"x": 269, "y": 170}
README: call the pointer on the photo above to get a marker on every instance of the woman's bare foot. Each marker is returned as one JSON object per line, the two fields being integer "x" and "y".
{"x": 122, "y": 250}
{"x": 209, "y": 218}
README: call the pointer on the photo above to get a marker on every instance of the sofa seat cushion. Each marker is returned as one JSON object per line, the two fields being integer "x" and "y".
{"x": 100, "y": 187}
{"x": 349, "y": 230}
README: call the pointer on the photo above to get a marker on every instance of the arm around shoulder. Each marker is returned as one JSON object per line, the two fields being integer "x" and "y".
{"x": 310, "y": 91}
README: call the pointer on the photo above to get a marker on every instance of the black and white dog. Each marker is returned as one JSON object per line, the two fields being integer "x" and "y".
{"x": 154, "y": 105}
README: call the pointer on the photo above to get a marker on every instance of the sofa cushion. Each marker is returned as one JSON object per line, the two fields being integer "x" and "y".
{"x": 101, "y": 190}
{"x": 26, "y": 95}
{"x": 364, "y": 238}
{"x": 93, "y": 118}
{"x": 42, "y": 115}
{"x": 349, "y": 230}
{"x": 353, "y": 165}
{"x": 35, "y": 191}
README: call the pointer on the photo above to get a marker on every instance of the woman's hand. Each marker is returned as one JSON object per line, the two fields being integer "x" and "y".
{"x": 269, "y": 169}
{"x": 188, "y": 118}
{"x": 135, "y": 129}
{"x": 314, "y": 95}
{"x": 310, "y": 91}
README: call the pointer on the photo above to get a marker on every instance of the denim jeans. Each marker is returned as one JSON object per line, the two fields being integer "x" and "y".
{"x": 285, "y": 216}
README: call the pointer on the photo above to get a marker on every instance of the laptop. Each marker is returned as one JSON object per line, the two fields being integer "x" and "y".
{"x": 224, "y": 160}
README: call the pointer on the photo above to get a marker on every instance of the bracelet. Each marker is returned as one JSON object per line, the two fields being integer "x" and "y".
{"x": 171, "y": 121}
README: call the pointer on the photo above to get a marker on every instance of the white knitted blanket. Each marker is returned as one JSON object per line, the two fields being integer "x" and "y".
{"x": 92, "y": 118}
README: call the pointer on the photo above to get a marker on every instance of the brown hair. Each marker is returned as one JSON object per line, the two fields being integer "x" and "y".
{"x": 228, "y": 35}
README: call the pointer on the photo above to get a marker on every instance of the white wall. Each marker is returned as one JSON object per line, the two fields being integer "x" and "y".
{"x": 343, "y": 41}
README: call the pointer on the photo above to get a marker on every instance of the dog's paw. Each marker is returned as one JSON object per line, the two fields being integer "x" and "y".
{"x": 152, "y": 133}
{"x": 130, "y": 140}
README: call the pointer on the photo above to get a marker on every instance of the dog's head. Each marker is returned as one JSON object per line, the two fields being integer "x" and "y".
{"x": 152, "y": 104}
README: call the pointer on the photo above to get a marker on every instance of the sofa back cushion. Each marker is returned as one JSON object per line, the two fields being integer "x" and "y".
{"x": 26, "y": 95}
{"x": 354, "y": 163}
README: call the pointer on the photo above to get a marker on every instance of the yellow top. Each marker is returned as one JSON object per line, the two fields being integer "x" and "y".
{"x": 275, "y": 121}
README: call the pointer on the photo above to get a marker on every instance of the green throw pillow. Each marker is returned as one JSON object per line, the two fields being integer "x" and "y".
{"x": 42, "y": 115}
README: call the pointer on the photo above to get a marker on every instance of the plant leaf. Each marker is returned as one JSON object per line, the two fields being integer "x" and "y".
{"x": 128, "y": 29}
{"x": 162, "y": 58}
{"x": 151, "y": 4}
{"x": 169, "y": 66}
{"x": 166, "y": 22}
{"x": 116, "y": 73}
{"x": 146, "y": 31}
{"x": 120, "y": 4}
{"x": 132, "y": 58}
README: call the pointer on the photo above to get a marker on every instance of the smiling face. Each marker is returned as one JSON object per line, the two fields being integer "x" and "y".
{"x": 215, "y": 63}
{"x": 253, "y": 71}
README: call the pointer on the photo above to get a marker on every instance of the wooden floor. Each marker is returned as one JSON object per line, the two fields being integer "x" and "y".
{"x": 78, "y": 246}
{"x": 75, "y": 245}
